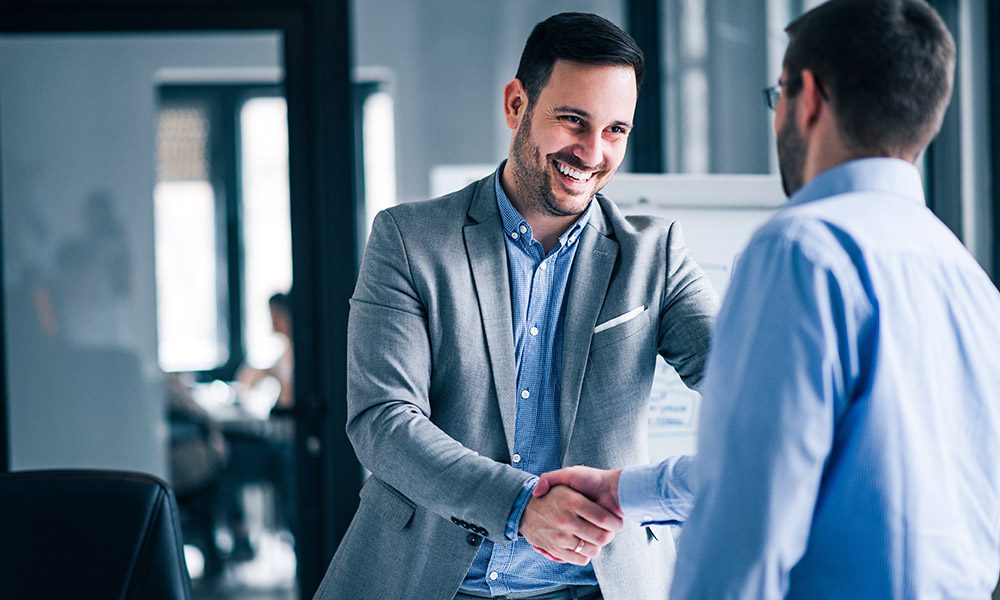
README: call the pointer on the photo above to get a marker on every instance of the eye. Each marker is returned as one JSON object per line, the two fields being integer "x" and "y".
{"x": 572, "y": 119}
{"x": 616, "y": 133}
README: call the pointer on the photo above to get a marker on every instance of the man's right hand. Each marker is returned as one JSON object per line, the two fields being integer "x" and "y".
{"x": 566, "y": 526}
{"x": 596, "y": 484}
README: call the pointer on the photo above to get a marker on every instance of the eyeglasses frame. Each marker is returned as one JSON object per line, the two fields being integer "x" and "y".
{"x": 772, "y": 93}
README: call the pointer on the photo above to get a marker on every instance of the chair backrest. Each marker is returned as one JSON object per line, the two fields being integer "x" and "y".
{"x": 90, "y": 534}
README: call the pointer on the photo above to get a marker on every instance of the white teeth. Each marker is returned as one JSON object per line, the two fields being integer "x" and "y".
{"x": 569, "y": 172}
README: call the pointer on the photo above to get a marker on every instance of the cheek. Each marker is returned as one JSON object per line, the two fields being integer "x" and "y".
{"x": 615, "y": 154}
{"x": 559, "y": 141}
{"x": 779, "y": 116}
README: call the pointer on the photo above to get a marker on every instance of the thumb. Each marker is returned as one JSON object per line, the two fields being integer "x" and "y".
{"x": 542, "y": 487}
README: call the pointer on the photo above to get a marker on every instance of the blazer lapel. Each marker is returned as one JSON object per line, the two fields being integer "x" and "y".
{"x": 487, "y": 253}
{"x": 588, "y": 285}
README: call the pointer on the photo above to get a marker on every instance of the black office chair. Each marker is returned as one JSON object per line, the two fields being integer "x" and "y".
{"x": 89, "y": 534}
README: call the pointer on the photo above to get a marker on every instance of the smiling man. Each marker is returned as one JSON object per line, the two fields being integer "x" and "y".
{"x": 509, "y": 329}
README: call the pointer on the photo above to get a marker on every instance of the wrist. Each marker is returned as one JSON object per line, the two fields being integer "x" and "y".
{"x": 615, "y": 477}
{"x": 524, "y": 498}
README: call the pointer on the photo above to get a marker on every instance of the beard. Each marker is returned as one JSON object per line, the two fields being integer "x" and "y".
{"x": 534, "y": 181}
{"x": 791, "y": 154}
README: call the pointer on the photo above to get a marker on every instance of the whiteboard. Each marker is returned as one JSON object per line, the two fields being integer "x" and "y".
{"x": 718, "y": 215}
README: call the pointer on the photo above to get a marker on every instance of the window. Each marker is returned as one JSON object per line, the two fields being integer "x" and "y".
{"x": 223, "y": 240}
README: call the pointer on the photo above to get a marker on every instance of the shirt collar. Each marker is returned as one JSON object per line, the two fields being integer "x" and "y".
{"x": 517, "y": 228}
{"x": 885, "y": 175}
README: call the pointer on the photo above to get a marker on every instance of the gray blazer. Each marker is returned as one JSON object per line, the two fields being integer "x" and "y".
{"x": 431, "y": 387}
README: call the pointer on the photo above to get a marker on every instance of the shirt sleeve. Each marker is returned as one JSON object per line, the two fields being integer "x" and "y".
{"x": 658, "y": 494}
{"x": 514, "y": 520}
{"x": 777, "y": 377}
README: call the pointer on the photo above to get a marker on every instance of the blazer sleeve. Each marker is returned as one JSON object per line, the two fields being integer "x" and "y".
{"x": 389, "y": 406}
{"x": 687, "y": 311}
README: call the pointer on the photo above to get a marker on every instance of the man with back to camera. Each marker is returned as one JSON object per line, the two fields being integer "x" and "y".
{"x": 508, "y": 329}
{"x": 848, "y": 442}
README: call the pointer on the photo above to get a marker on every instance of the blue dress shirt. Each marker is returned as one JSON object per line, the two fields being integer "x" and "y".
{"x": 538, "y": 285}
{"x": 849, "y": 444}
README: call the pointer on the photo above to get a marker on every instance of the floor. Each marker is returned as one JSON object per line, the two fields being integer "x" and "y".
{"x": 269, "y": 575}
{"x": 266, "y": 573}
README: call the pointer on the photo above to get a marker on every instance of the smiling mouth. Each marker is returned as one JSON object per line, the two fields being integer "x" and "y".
{"x": 571, "y": 173}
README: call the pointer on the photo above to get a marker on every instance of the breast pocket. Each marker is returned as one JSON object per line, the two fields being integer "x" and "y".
{"x": 619, "y": 331}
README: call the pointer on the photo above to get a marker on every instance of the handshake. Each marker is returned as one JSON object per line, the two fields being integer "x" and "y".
{"x": 573, "y": 513}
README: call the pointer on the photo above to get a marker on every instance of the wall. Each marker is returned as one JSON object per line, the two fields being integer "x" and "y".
{"x": 449, "y": 62}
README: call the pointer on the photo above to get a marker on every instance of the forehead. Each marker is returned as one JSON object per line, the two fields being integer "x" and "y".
{"x": 607, "y": 92}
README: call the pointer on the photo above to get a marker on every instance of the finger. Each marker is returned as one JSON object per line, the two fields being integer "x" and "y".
{"x": 587, "y": 549}
{"x": 567, "y": 555}
{"x": 541, "y": 488}
{"x": 547, "y": 555}
{"x": 598, "y": 515}
{"x": 558, "y": 477}
{"x": 559, "y": 555}
{"x": 580, "y": 518}
{"x": 588, "y": 532}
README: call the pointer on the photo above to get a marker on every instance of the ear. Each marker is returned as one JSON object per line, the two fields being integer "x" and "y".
{"x": 811, "y": 103}
{"x": 515, "y": 103}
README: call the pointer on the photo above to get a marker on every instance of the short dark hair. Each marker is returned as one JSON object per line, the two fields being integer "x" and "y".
{"x": 282, "y": 301}
{"x": 887, "y": 66}
{"x": 578, "y": 37}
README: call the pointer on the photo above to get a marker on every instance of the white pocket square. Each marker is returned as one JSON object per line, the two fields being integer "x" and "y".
{"x": 635, "y": 312}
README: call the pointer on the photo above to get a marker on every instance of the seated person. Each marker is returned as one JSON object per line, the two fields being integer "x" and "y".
{"x": 281, "y": 322}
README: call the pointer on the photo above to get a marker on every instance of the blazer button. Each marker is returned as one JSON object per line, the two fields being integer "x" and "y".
{"x": 456, "y": 521}
{"x": 473, "y": 539}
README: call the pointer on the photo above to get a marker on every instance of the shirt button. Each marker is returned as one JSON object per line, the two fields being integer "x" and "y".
{"x": 523, "y": 229}
{"x": 525, "y": 394}
{"x": 533, "y": 331}
{"x": 513, "y": 235}
{"x": 543, "y": 266}
{"x": 494, "y": 575}
{"x": 516, "y": 458}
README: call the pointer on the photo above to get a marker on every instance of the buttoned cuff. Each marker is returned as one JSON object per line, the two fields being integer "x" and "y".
{"x": 641, "y": 498}
{"x": 514, "y": 520}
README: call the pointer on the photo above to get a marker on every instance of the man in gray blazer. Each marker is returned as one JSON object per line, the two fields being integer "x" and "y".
{"x": 509, "y": 329}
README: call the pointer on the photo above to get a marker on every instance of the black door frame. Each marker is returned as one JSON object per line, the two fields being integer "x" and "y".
{"x": 993, "y": 14}
{"x": 324, "y": 209}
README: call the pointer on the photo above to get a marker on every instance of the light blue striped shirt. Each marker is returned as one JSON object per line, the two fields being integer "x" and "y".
{"x": 538, "y": 286}
{"x": 849, "y": 444}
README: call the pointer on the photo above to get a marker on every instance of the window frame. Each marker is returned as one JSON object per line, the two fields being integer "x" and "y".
{"x": 224, "y": 101}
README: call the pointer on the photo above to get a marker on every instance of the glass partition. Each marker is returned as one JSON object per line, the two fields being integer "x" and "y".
{"x": 144, "y": 234}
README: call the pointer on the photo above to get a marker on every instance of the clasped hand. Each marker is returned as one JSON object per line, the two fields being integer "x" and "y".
{"x": 572, "y": 514}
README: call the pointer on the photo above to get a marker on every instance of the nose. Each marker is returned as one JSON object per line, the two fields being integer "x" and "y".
{"x": 590, "y": 149}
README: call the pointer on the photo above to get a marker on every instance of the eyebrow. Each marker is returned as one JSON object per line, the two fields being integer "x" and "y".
{"x": 586, "y": 115}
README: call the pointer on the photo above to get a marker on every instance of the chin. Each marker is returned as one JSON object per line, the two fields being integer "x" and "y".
{"x": 570, "y": 207}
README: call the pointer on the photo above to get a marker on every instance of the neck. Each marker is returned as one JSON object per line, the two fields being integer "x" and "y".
{"x": 545, "y": 227}
{"x": 826, "y": 149}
